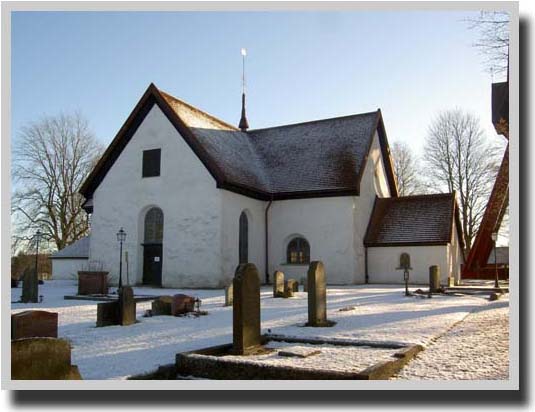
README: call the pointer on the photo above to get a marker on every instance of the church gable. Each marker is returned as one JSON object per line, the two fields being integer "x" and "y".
{"x": 313, "y": 159}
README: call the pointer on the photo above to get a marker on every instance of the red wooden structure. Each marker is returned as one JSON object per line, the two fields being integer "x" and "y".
{"x": 476, "y": 266}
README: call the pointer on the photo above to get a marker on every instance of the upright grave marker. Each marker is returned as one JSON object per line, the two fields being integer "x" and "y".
{"x": 317, "y": 295}
{"x": 42, "y": 359}
{"x": 289, "y": 288}
{"x": 278, "y": 284}
{"x": 229, "y": 295}
{"x": 127, "y": 306}
{"x": 30, "y": 285}
{"x": 33, "y": 324}
{"x": 434, "y": 279}
{"x": 121, "y": 312}
{"x": 246, "y": 310}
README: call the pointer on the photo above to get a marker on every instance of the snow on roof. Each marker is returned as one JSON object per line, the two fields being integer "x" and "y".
{"x": 77, "y": 250}
{"x": 311, "y": 156}
{"x": 422, "y": 219}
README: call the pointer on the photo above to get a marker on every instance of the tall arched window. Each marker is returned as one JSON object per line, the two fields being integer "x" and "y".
{"x": 154, "y": 226}
{"x": 298, "y": 251}
{"x": 244, "y": 238}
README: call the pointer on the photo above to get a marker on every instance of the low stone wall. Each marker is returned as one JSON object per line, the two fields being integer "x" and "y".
{"x": 210, "y": 363}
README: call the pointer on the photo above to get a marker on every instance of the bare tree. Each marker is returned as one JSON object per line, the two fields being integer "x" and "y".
{"x": 459, "y": 158}
{"x": 406, "y": 170}
{"x": 51, "y": 158}
{"x": 493, "y": 41}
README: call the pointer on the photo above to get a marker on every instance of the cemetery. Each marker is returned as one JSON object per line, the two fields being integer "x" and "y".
{"x": 250, "y": 331}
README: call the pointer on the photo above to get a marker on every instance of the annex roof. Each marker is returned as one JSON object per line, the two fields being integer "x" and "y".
{"x": 312, "y": 159}
{"x": 76, "y": 250}
{"x": 413, "y": 220}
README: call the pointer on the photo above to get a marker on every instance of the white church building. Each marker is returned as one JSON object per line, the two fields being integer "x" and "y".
{"x": 197, "y": 196}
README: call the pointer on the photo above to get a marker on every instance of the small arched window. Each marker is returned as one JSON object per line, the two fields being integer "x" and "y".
{"x": 298, "y": 251}
{"x": 154, "y": 226}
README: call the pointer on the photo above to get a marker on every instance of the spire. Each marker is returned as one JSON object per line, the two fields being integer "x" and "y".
{"x": 244, "y": 125}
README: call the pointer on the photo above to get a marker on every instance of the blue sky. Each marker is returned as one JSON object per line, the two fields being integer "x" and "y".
{"x": 300, "y": 66}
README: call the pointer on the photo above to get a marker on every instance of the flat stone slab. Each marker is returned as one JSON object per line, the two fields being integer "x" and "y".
{"x": 298, "y": 352}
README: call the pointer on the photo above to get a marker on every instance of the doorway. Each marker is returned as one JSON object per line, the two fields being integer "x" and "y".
{"x": 153, "y": 247}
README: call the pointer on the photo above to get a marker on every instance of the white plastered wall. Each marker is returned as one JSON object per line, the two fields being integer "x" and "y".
{"x": 67, "y": 268}
{"x": 334, "y": 227}
{"x": 232, "y": 205}
{"x": 455, "y": 257}
{"x": 184, "y": 191}
{"x": 384, "y": 261}
{"x": 325, "y": 224}
{"x": 373, "y": 184}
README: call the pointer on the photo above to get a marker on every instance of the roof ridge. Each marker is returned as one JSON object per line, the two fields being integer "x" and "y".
{"x": 420, "y": 196}
{"x": 203, "y": 113}
{"x": 314, "y": 121}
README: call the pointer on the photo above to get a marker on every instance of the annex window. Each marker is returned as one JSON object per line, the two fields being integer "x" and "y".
{"x": 298, "y": 251}
{"x": 151, "y": 162}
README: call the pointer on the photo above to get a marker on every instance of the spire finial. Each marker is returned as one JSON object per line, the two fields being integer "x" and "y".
{"x": 244, "y": 125}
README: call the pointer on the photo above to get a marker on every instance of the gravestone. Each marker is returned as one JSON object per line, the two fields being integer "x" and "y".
{"x": 127, "y": 306}
{"x": 107, "y": 314}
{"x": 229, "y": 295}
{"x": 317, "y": 295}
{"x": 182, "y": 304}
{"x": 295, "y": 285}
{"x": 278, "y": 284}
{"x": 30, "y": 287}
{"x": 288, "y": 288}
{"x": 33, "y": 324}
{"x": 42, "y": 359}
{"x": 304, "y": 283}
{"x": 162, "y": 306}
{"x": 246, "y": 310}
{"x": 434, "y": 279}
{"x": 92, "y": 282}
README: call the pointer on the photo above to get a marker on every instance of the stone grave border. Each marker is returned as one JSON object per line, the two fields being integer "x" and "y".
{"x": 109, "y": 298}
{"x": 209, "y": 363}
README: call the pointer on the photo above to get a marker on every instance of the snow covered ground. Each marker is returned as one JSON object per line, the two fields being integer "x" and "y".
{"x": 477, "y": 348}
{"x": 376, "y": 312}
{"x": 334, "y": 358}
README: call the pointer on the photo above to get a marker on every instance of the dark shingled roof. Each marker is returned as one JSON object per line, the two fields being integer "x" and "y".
{"x": 314, "y": 156}
{"x": 413, "y": 220}
{"x": 76, "y": 250}
{"x": 312, "y": 159}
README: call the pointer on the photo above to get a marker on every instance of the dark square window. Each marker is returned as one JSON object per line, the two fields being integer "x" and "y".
{"x": 151, "y": 162}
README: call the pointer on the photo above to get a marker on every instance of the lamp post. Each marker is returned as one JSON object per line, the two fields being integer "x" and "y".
{"x": 37, "y": 236}
{"x": 121, "y": 237}
{"x": 494, "y": 237}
